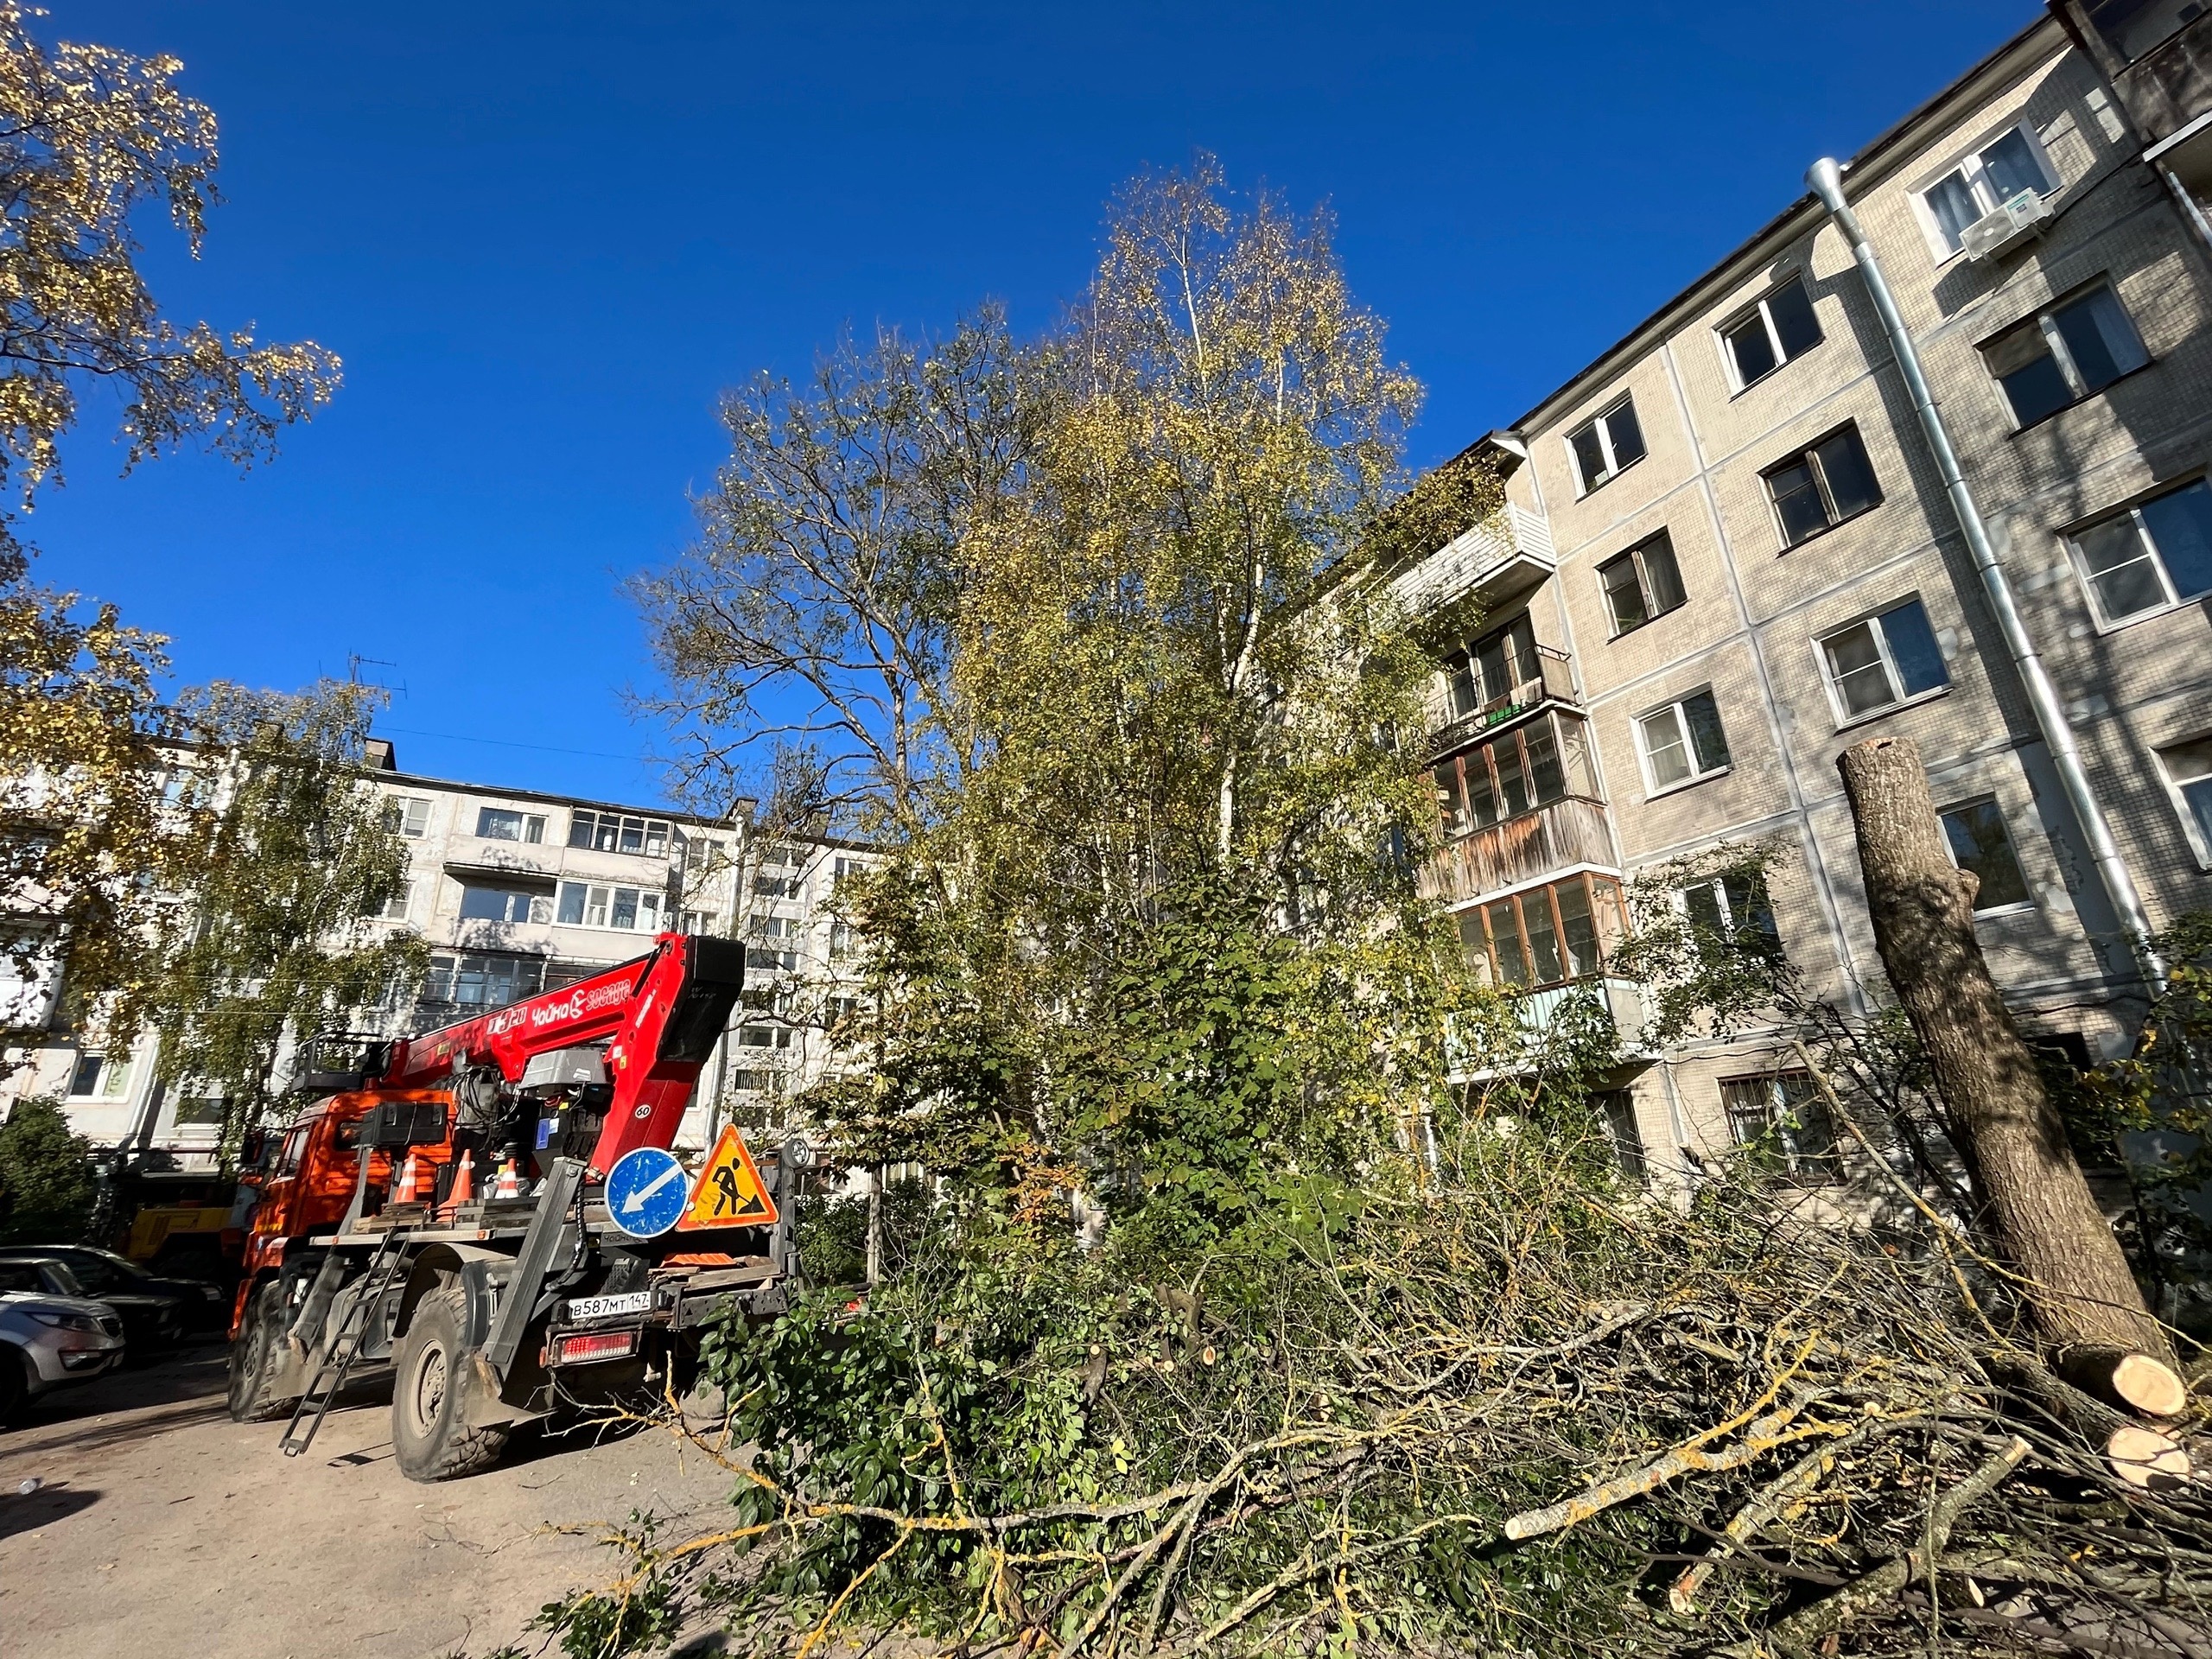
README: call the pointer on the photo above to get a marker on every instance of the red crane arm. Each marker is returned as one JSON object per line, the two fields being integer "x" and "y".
{"x": 662, "y": 1014}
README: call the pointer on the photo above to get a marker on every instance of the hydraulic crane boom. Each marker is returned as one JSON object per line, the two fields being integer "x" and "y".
{"x": 660, "y": 1016}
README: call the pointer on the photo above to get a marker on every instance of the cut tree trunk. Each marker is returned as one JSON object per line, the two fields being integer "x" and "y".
{"x": 2044, "y": 1220}
{"x": 2135, "y": 1381}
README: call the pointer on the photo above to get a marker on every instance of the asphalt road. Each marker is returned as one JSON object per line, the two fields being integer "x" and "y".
{"x": 163, "y": 1527}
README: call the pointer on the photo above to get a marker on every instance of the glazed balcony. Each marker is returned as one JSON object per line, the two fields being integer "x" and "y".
{"x": 1470, "y": 705}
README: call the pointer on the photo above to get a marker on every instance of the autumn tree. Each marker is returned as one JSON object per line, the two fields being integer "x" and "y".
{"x": 274, "y": 941}
{"x": 95, "y": 141}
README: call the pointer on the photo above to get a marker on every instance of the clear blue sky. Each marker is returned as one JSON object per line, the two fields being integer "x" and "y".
{"x": 545, "y": 236}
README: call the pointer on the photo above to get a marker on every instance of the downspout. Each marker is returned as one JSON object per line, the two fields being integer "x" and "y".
{"x": 1826, "y": 179}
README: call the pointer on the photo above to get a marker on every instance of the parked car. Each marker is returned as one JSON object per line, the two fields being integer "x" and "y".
{"x": 103, "y": 1274}
{"x": 149, "y": 1321}
{"x": 49, "y": 1342}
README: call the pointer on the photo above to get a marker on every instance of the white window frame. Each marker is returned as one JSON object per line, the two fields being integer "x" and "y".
{"x": 529, "y": 827}
{"x": 2180, "y": 802}
{"x": 1652, "y": 788}
{"x": 1984, "y": 194}
{"x": 1873, "y": 619}
{"x": 2133, "y": 511}
{"x": 404, "y": 816}
{"x": 1757, "y": 307}
{"x": 2018, "y": 907}
{"x": 400, "y": 907}
{"x": 1601, "y": 421}
{"x": 602, "y": 896}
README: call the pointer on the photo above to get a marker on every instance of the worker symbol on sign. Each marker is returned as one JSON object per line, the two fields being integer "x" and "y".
{"x": 729, "y": 1192}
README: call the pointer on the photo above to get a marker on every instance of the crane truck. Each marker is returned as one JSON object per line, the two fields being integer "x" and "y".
{"x": 443, "y": 1215}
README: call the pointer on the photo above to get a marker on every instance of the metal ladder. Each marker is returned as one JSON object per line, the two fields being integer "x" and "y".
{"x": 338, "y": 1358}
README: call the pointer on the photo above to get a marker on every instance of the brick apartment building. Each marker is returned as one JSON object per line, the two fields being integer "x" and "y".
{"x": 1728, "y": 555}
{"x": 517, "y": 891}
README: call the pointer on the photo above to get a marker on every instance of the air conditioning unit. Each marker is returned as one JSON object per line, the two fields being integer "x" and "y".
{"x": 1996, "y": 233}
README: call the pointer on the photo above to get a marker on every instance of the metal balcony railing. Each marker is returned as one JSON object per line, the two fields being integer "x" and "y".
{"x": 1552, "y": 682}
{"x": 1504, "y": 556}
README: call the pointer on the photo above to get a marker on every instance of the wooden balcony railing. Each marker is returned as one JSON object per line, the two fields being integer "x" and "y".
{"x": 1568, "y": 832}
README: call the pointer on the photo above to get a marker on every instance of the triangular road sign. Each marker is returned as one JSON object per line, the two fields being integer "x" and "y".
{"x": 729, "y": 1192}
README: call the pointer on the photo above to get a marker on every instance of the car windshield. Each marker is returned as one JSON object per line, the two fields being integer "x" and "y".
{"x": 61, "y": 1280}
{"x": 40, "y": 1272}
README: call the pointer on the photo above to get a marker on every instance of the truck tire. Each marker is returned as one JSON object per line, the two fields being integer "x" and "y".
{"x": 432, "y": 1385}
{"x": 254, "y": 1359}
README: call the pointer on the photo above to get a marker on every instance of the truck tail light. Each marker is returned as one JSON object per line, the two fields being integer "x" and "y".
{"x": 593, "y": 1344}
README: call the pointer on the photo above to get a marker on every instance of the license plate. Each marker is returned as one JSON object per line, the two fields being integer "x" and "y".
{"x": 608, "y": 1307}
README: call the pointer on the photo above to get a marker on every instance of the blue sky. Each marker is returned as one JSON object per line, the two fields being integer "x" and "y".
{"x": 544, "y": 237}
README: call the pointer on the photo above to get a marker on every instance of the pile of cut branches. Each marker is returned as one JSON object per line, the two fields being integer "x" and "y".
{"x": 1504, "y": 1405}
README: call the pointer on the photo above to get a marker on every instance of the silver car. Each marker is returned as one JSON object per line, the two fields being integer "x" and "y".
{"x": 51, "y": 1342}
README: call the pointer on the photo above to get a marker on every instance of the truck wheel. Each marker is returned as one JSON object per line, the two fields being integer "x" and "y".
{"x": 255, "y": 1359}
{"x": 431, "y": 1388}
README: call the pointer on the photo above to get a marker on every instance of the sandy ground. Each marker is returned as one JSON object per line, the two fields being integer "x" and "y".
{"x": 164, "y": 1528}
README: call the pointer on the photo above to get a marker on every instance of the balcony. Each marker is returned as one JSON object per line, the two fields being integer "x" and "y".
{"x": 1618, "y": 1002}
{"x": 1568, "y": 832}
{"x": 1544, "y": 675}
{"x": 2163, "y": 74}
{"x": 1494, "y": 562}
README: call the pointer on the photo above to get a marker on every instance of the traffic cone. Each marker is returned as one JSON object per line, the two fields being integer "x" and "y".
{"x": 464, "y": 1181}
{"x": 404, "y": 1190}
{"x": 509, "y": 1185}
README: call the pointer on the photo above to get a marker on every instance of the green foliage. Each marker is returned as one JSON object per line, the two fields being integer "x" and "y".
{"x": 295, "y": 858}
{"x": 47, "y": 1186}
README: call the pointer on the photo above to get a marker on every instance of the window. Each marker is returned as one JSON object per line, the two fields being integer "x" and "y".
{"x": 1734, "y": 908}
{"x": 97, "y": 1078}
{"x": 200, "y": 1112}
{"x": 769, "y": 961}
{"x": 2152, "y": 556}
{"x": 395, "y": 908}
{"x": 613, "y": 832}
{"x": 1641, "y": 584}
{"x": 1779, "y": 328}
{"x": 484, "y": 902}
{"x": 1782, "y": 1122}
{"x": 774, "y": 927}
{"x": 841, "y": 937}
{"x": 1985, "y": 181}
{"x": 408, "y": 815}
{"x": 1547, "y": 935}
{"x": 1616, "y": 1110}
{"x": 1491, "y": 673}
{"x": 1979, "y": 843}
{"x": 1882, "y": 660}
{"x": 2062, "y": 355}
{"x": 2189, "y": 773}
{"x": 1530, "y": 766}
{"x": 764, "y": 1036}
{"x": 498, "y": 824}
{"x": 700, "y": 854}
{"x": 1604, "y": 446}
{"x": 758, "y": 1080}
{"x": 476, "y": 979}
{"x": 1819, "y": 487}
{"x": 633, "y": 910}
{"x": 1682, "y": 741}
{"x": 846, "y": 867}
{"x": 775, "y": 886}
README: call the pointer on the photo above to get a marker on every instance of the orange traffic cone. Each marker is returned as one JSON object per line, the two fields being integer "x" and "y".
{"x": 404, "y": 1190}
{"x": 464, "y": 1182}
{"x": 509, "y": 1185}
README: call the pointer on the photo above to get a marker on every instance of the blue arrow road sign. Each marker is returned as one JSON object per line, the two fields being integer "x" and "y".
{"x": 645, "y": 1191}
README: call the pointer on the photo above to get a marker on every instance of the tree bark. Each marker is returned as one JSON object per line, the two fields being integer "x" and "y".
{"x": 2039, "y": 1206}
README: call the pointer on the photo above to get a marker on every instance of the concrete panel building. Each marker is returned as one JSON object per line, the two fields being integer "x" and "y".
{"x": 1729, "y": 554}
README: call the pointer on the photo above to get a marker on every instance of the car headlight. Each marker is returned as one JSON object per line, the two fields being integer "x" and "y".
{"x": 83, "y": 1322}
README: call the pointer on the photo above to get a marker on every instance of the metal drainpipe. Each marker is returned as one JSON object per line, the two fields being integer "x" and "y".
{"x": 1826, "y": 179}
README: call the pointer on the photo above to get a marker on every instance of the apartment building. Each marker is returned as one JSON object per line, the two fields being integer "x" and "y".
{"x": 1728, "y": 554}
{"x": 517, "y": 891}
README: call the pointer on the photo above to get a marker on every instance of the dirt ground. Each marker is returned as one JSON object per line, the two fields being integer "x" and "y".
{"x": 163, "y": 1527}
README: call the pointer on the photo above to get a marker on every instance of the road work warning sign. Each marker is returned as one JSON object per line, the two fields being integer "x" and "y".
{"x": 729, "y": 1192}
